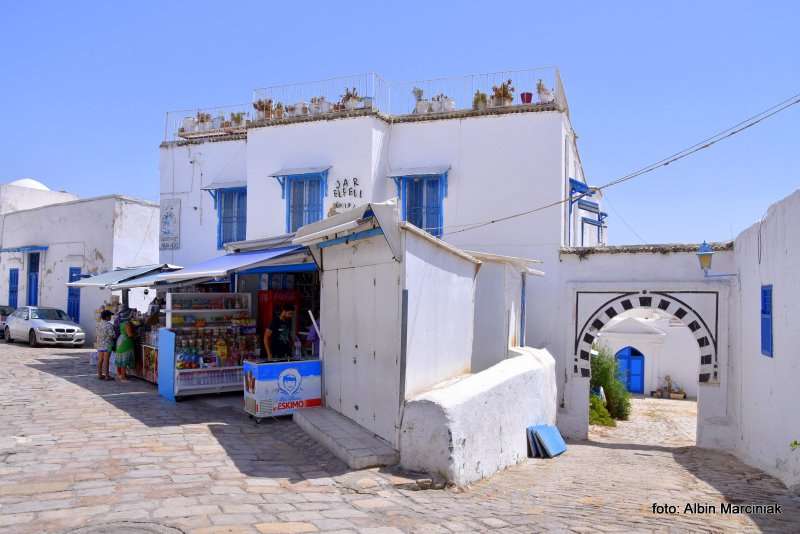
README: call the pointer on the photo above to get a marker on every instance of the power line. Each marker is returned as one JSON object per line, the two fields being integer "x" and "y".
{"x": 686, "y": 152}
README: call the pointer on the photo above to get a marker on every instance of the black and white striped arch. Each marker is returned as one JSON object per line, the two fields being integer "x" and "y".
{"x": 671, "y": 302}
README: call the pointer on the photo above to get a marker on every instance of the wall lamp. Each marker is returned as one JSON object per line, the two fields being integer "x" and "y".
{"x": 704, "y": 255}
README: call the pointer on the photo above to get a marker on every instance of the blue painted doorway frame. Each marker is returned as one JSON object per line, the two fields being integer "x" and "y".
{"x": 13, "y": 287}
{"x": 33, "y": 279}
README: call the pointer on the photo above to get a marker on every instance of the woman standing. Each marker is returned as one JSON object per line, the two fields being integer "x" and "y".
{"x": 123, "y": 356}
{"x": 104, "y": 344}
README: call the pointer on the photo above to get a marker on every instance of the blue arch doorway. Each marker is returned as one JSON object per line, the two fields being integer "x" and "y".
{"x": 630, "y": 367}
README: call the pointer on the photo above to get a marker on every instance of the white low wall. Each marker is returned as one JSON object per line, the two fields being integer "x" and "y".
{"x": 474, "y": 427}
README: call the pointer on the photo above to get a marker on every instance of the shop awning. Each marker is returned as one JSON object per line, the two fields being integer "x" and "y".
{"x": 27, "y": 248}
{"x": 117, "y": 276}
{"x": 420, "y": 171}
{"x": 224, "y": 265}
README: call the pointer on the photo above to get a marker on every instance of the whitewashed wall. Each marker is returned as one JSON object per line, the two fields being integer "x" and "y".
{"x": 441, "y": 307}
{"x": 16, "y": 198}
{"x": 498, "y": 295}
{"x": 351, "y": 147}
{"x": 768, "y": 253}
{"x": 184, "y": 170}
{"x": 83, "y": 234}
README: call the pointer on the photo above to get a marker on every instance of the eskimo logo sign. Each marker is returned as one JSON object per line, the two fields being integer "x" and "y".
{"x": 289, "y": 381}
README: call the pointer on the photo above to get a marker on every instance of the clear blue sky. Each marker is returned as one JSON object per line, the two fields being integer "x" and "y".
{"x": 85, "y": 86}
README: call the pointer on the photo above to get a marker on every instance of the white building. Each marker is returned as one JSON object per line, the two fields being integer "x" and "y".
{"x": 45, "y": 246}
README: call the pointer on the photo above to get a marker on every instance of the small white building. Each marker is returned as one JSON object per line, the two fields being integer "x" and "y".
{"x": 43, "y": 248}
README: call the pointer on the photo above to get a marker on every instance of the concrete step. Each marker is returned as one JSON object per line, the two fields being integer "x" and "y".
{"x": 353, "y": 444}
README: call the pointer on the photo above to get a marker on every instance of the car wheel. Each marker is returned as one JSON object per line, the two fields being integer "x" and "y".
{"x": 32, "y": 339}
{"x": 7, "y": 335}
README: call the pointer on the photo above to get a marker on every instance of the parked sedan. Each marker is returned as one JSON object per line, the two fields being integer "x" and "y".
{"x": 43, "y": 326}
{"x": 5, "y": 311}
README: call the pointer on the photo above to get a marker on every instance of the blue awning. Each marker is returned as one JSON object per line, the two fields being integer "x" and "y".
{"x": 224, "y": 265}
{"x": 28, "y": 248}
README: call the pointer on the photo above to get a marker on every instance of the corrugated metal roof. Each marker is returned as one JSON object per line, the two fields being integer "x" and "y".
{"x": 420, "y": 171}
{"x": 224, "y": 185}
{"x": 300, "y": 170}
{"x": 223, "y": 265}
{"x": 116, "y": 276}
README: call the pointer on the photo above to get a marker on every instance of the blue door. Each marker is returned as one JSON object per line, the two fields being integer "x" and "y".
{"x": 33, "y": 279}
{"x": 74, "y": 296}
{"x": 630, "y": 369}
{"x": 13, "y": 287}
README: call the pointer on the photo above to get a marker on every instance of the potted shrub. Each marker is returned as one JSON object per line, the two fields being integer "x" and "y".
{"x": 237, "y": 119}
{"x": 263, "y": 109}
{"x": 479, "y": 101}
{"x": 290, "y": 110}
{"x": 545, "y": 95}
{"x": 502, "y": 95}
{"x": 300, "y": 109}
{"x": 278, "y": 111}
{"x": 351, "y": 100}
{"x": 421, "y": 105}
{"x": 442, "y": 103}
{"x": 203, "y": 121}
{"x": 320, "y": 105}
{"x": 188, "y": 125}
{"x": 526, "y": 97}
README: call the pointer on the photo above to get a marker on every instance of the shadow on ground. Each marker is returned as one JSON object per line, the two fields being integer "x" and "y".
{"x": 276, "y": 448}
{"x": 737, "y": 482}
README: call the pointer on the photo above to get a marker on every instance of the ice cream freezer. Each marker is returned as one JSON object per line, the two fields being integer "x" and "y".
{"x": 280, "y": 388}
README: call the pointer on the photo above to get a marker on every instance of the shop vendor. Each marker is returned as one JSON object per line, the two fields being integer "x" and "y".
{"x": 278, "y": 337}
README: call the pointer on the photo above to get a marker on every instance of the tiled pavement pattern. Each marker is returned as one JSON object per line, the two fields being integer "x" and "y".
{"x": 76, "y": 452}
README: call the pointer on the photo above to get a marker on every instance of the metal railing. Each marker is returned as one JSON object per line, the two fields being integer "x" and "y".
{"x": 370, "y": 92}
{"x": 478, "y": 92}
{"x": 335, "y": 95}
{"x": 207, "y": 122}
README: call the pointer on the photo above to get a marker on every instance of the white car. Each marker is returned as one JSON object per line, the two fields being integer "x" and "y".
{"x": 43, "y": 326}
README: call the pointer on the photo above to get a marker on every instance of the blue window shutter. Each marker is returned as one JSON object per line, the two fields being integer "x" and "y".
{"x": 13, "y": 287}
{"x": 432, "y": 206}
{"x": 766, "y": 321}
{"x": 422, "y": 201}
{"x": 241, "y": 216}
{"x": 313, "y": 201}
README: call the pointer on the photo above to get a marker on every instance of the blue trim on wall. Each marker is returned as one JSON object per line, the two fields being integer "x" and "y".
{"x": 766, "y": 321}
{"x": 74, "y": 296}
{"x": 352, "y": 237}
{"x": 31, "y": 248}
{"x": 292, "y": 268}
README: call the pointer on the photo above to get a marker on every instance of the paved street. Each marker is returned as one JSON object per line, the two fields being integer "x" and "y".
{"x": 76, "y": 452}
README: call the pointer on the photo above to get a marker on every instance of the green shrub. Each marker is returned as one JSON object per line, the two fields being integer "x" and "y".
{"x": 598, "y": 414}
{"x": 604, "y": 373}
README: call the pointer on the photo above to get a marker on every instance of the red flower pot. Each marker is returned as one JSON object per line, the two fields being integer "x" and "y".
{"x": 527, "y": 98}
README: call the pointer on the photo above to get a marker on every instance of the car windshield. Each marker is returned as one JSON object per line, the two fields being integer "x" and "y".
{"x": 49, "y": 314}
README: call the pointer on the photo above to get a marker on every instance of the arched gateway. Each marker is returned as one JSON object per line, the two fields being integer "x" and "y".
{"x": 680, "y": 304}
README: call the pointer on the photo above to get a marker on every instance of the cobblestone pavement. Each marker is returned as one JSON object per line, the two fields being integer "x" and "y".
{"x": 77, "y": 452}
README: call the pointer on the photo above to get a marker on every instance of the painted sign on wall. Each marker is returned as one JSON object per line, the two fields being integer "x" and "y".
{"x": 272, "y": 389}
{"x": 347, "y": 194}
{"x": 170, "y": 226}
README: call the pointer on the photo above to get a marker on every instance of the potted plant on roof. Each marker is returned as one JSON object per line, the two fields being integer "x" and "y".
{"x": 479, "y": 101}
{"x": 502, "y": 95}
{"x": 545, "y": 95}
{"x": 278, "y": 111}
{"x": 188, "y": 125}
{"x": 421, "y": 105}
{"x": 526, "y": 97}
{"x": 291, "y": 110}
{"x": 320, "y": 105}
{"x": 237, "y": 119}
{"x": 263, "y": 109}
{"x": 442, "y": 103}
{"x": 203, "y": 121}
{"x": 351, "y": 100}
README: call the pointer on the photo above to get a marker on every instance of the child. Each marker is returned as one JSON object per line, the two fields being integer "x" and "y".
{"x": 104, "y": 344}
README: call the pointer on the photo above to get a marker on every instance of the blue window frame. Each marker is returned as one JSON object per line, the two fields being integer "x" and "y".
{"x": 766, "y": 320}
{"x": 422, "y": 200}
{"x": 74, "y": 296}
{"x": 13, "y": 287}
{"x": 231, "y": 207}
{"x": 304, "y": 194}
